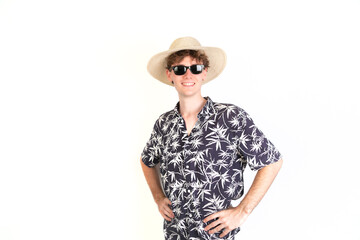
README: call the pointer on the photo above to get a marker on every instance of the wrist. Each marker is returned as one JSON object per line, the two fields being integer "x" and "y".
{"x": 158, "y": 197}
{"x": 245, "y": 207}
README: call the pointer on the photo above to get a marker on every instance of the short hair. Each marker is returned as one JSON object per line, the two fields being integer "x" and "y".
{"x": 178, "y": 56}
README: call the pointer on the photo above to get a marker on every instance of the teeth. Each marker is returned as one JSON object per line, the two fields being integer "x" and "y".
{"x": 188, "y": 84}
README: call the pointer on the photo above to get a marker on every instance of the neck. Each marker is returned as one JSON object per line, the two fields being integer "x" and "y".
{"x": 191, "y": 106}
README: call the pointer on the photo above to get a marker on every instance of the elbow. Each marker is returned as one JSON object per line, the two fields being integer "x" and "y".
{"x": 141, "y": 162}
{"x": 279, "y": 164}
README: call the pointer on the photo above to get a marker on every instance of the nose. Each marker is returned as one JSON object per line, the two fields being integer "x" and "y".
{"x": 187, "y": 72}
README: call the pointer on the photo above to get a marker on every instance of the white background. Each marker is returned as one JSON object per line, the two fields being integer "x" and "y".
{"x": 77, "y": 107}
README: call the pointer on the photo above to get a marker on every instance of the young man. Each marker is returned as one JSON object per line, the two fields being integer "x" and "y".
{"x": 203, "y": 148}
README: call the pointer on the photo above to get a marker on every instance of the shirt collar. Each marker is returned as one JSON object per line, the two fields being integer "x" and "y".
{"x": 206, "y": 111}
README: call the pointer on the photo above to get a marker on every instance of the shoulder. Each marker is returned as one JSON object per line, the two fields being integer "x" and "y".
{"x": 233, "y": 115}
{"x": 166, "y": 116}
{"x": 165, "y": 119}
{"x": 230, "y": 110}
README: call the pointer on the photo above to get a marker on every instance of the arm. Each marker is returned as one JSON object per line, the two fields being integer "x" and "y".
{"x": 160, "y": 199}
{"x": 259, "y": 187}
{"x": 235, "y": 216}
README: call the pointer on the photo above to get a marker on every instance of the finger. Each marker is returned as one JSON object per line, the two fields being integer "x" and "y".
{"x": 169, "y": 213}
{"x": 225, "y": 232}
{"x": 213, "y": 224}
{"x": 166, "y": 217}
{"x": 167, "y": 203}
{"x": 217, "y": 229}
{"x": 212, "y": 216}
{"x": 168, "y": 210}
{"x": 167, "y": 207}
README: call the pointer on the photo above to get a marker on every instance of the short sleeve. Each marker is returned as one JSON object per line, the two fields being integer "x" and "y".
{"x": 152, "y": 150}
{"x": 255, "y": 148}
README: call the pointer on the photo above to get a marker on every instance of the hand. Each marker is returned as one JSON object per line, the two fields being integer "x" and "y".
{"x": 228, "y": 220}
{"x": 164, "y": 209}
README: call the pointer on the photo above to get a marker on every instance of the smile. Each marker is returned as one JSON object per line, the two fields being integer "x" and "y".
{"x": 188, "y": 84}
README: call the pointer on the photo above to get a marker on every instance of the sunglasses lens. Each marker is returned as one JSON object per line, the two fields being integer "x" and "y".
{"x": 179, "y": 70}
{"x": 196, "y": 69}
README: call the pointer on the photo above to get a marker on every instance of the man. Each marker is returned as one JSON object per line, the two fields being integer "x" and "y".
{"x": 202, "y": 148}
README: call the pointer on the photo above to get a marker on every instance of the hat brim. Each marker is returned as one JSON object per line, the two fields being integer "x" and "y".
{"x": 217, "y": 59}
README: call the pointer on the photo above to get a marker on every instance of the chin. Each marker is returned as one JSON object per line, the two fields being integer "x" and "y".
{"x": 189, "y": 93}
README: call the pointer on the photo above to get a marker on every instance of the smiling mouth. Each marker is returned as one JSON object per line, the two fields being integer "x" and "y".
{"x": 188, "y": 84}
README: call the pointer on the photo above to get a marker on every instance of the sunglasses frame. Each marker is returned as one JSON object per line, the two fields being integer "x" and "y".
{"x": 186, "y": 68}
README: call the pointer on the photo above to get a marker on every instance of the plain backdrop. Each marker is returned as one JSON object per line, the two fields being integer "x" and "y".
{"x": 77, "y": 107}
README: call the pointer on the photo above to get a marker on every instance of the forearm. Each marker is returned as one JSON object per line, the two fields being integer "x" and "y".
{"x": 153, "y": 181}
{"x": 259, "y": 187}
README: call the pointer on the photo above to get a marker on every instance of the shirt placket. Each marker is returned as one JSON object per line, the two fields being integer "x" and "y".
{"x": 188, "y": 186}
{"x": 185, "y": 165}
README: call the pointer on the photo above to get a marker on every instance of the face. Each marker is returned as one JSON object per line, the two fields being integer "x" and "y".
{"x": 188, "y": 84}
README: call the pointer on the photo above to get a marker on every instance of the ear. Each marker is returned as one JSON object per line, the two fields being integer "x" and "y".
{"x": 205, "y": 72}
{"x": 168, "y": 74}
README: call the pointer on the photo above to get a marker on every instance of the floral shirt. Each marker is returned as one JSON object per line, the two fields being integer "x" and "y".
{"x": 202, "y": 172}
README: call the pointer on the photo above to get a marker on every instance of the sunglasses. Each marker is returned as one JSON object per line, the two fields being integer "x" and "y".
{"x": 181, "y": 69}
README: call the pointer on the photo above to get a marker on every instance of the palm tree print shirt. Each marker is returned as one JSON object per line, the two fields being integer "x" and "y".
{"x": 202, "y": 172}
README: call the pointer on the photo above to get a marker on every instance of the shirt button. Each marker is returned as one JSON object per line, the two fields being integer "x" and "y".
{"x": 189, "y": 190}
{"x": 190, "y": 215}
{"x": 187, "y": 166}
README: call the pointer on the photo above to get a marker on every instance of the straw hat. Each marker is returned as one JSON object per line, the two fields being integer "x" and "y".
{"x": 217, "y": 59}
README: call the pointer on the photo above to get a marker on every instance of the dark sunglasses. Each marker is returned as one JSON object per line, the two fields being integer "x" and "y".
{"x": 181, "y": 69}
